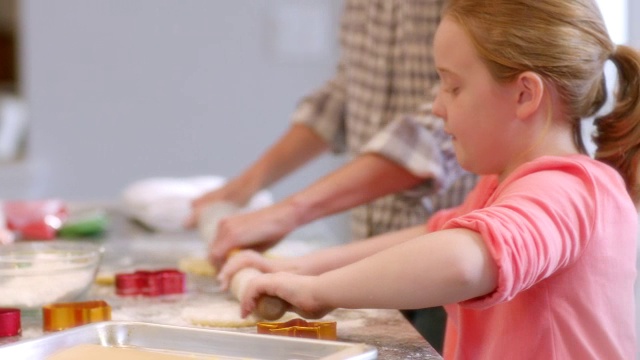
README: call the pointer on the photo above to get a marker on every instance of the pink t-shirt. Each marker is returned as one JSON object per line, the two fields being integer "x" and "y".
{"x": 562, "y": 231}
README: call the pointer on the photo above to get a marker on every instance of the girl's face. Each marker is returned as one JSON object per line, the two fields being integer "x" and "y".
{"x": 477, "y": 111}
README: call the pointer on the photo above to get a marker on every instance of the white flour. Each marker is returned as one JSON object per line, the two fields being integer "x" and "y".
{"x": 39, "y": 282}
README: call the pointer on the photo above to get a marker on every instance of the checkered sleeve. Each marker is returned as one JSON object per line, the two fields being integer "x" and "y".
{"x": 419, "y": 144}
{"x": 323, "y": 112}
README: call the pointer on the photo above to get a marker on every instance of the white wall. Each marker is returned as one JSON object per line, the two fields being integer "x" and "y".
{"x": 615, "y": 15}
{"x": 120, "y": 90}
{"x": 634, "y": 24}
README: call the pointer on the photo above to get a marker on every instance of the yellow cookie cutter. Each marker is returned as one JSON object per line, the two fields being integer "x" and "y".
{"x": 323, "y": 330}
{"x": 60, "y": 316}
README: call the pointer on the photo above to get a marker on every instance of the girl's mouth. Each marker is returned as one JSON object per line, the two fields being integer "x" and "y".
{"x": 450, "y": 135}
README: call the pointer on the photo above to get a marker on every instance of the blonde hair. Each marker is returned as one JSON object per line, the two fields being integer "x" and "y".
{"x": 567, "y": 43}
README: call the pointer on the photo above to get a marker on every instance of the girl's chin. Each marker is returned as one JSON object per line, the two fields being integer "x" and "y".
{"x": 460, "y": 156}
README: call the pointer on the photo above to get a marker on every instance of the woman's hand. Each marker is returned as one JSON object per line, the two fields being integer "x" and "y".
{"x": 259, "y": 230}
{"x": 299, "y": 291}
{"x": 236, "y": 191}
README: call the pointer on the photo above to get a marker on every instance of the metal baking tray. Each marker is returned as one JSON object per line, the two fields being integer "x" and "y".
{"x": 187, "y": 341}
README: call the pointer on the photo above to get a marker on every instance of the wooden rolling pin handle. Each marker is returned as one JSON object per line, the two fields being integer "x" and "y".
{"x": 271, "y": 307}
{"x": 268, "y": 307}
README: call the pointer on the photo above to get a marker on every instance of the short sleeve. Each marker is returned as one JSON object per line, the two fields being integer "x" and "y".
{"x": 534, "y": 226}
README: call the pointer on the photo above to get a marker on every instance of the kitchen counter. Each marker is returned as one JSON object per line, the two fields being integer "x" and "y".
{"x": 129, "y": 247}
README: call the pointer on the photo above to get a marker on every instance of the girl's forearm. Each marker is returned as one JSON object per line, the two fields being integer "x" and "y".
{"x": 434, "y": 269}
{"x": 324, "y": 260}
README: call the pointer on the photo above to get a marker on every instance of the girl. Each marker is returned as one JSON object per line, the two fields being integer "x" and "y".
{"x": 539, "y": 261}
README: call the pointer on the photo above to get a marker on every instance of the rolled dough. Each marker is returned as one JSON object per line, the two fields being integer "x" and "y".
{"x": 221, "y": 313}
{"x": 196, "y": 266}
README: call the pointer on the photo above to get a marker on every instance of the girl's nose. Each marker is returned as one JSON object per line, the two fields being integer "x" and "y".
{"x": 438, "y": 108}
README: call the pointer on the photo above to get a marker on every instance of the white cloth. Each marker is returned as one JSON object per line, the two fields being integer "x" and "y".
{"x": 164, "y": 203}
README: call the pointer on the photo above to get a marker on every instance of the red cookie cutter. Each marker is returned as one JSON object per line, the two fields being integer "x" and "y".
{"x": 60, "y": 316}
{"x": 150, "y": 283}
{"x": 10, "y": 322}
{"x": 324, "y": 330}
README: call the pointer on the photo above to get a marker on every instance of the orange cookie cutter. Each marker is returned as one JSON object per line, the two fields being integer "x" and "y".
{"x": 323, "y": 330}
{"x": 60, "y": 316}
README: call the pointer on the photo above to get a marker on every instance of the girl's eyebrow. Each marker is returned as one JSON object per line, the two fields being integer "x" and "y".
{"x": 445, "y": 71}
{"x": 447, "y": 75}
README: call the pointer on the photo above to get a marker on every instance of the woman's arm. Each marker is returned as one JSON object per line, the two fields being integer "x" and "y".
{"x": 360, "y": 181}
{"x": 367, "y": 177}
{"x": 295, "y": 148}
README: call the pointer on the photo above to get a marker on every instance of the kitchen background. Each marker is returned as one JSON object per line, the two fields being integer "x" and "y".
{"x": 117, "y": 91}
{"x": 96, "y": 94}
{"x": 100, "y": 93}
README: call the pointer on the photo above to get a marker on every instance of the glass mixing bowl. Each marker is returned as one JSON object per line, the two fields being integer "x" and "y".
{"x": 36, "y": 273}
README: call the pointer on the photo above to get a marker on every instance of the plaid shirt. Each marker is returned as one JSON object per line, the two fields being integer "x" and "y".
{"x": 386, "y": 71}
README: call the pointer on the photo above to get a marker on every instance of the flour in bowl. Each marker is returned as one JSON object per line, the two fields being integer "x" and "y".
{"x": 38, "y": 282}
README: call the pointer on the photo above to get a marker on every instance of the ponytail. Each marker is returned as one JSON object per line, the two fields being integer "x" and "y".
{"x": 618, "y": 133}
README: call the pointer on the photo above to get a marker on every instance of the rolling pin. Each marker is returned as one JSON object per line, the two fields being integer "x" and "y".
{"x": 268, "y": 307}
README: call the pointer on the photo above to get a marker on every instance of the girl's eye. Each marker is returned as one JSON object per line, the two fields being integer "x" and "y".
{"x": 453, "y": 90}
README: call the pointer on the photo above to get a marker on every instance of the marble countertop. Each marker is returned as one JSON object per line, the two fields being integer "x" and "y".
{"x": 129, "y": 247}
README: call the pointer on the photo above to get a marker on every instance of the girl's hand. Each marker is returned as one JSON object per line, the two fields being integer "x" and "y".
{"x": 240, "y": 260}
{"x": 250, "y": 258}
{"x": 297, "y": 290}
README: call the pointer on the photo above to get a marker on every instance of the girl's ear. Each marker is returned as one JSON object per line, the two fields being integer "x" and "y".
{"x": 530, "y": 87}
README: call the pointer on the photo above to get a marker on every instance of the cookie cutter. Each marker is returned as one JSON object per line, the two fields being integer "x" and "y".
{"x": 150, "y": 283}
{"x": 60, "y": 316}
{"x": 10, "y": 322}
{"x": 323, "y": 330}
